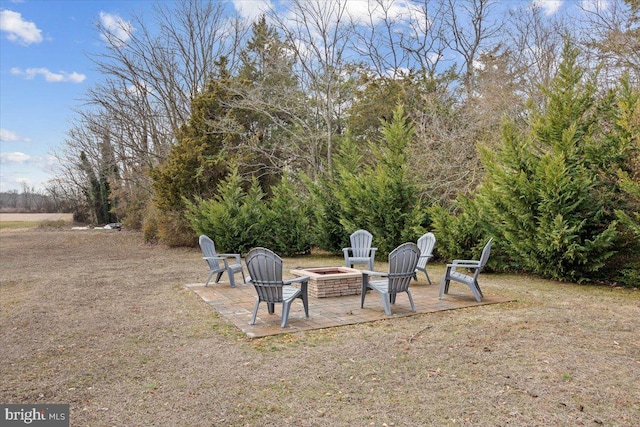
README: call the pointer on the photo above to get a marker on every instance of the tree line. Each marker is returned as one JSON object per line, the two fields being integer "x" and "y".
{"x": 460, "y": 116}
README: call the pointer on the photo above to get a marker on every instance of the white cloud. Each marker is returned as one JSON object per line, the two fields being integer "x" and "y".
{"x": 8, "y": 135}
{"x": 118, "y": 30}
{"x": 49, "y": 76}
{"x": 366, "y": 10}
{"x": 252, "y": 9}
{"x": 15, "y": 158}
{"x": 549, "y": 6}
{"x": 17, "y": 29}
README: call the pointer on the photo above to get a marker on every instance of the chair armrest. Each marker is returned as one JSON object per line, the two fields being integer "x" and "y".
{"x": 304, "y": 283}
{"x": 236, "y": 256}
{"x": 219, "y": 258}
{"x": 374, "y": 273}
{"x": 465, "y": 262}
{"x": 471, "y": 266}
{"x": 296, "y": 280}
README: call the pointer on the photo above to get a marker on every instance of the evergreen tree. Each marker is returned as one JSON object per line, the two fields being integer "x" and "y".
{"x": 234, "y": 218}
{"x": 288, "y": 220}
{"x": 196, "y": 164}
{"x": 543, "y": 196}
{"x": 380, "y": 197}
{"x": 265, "y": 106}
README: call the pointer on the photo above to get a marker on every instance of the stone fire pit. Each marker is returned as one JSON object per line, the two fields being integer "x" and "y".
{"x": 331, "y": 281}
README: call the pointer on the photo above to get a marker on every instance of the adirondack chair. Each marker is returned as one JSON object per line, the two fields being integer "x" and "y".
{"x": 265, "y": 271}
{"x": 402, "y": 267}
{"x": 425, "y": 244}
{"x": 360, "y": 251}
{"x": 471, "y": 281}
{"x": 220, "y": 263}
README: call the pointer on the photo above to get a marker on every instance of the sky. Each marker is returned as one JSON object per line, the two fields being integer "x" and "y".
{"x": 46, "y": 70}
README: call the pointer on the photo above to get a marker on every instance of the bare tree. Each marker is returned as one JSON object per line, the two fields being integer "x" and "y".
{"x": 152, "y": 70}
{"x": 397, "y": 42}
{"x": 318, "y": 32}
{"x": 169, "y": 61}
{"x": 471, "y": 29}
{"x": 535, "y": 44}
{"x": 611, "y": 36}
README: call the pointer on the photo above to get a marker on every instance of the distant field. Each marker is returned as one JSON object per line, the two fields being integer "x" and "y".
{"x": 35, "y": 217}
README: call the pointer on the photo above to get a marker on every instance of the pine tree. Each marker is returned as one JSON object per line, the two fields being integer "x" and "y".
{"x": 540, "y": 196}
{"x": 380, "y": 197}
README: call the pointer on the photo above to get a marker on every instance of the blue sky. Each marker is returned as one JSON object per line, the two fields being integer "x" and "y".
{"x": 45, "y": 71}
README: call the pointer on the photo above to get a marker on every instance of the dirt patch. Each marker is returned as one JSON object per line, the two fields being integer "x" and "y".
{"x": 103, "y": 322}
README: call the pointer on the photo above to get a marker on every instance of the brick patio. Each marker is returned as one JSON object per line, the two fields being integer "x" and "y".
{"x": 236, "y": 305}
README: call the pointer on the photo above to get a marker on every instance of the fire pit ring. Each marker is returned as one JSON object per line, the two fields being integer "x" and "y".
{"x": 325, "y": 282}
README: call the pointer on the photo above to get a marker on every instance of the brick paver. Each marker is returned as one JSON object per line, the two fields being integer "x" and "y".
{"x": 236, "y": 305}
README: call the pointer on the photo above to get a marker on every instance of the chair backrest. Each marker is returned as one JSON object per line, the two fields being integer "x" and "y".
{"x": 426, "y": 244}
{"x": 361, "y": 243}
{"x": 402, "y": 265}
{"x": 265, "y": 269}
{"x": 484, "y": 257}
{"x": 208, "y": 249}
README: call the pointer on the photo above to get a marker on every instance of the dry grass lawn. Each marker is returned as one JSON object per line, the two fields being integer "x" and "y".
{"x": 100, "y": 321}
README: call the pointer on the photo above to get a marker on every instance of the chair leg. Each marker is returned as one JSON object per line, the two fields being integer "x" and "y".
{"x": 271, "y": 307}
{"x": 428, "y": 278}
{"x": 285, "y": 313}
{"x": 255, "y": 312}
{"x": 413, "y": 307}
{"x": 476, "y": 292}
{"x": 219, "y": 276}
{"x": 363, "y": 292}
{"x": 305, "y": 304}
{"x": 232, "y": 280}
{"x": 208, "y": 278}
{"x": 385, "y": 301}
{"x": 443, "y": 285}
{"x": 479, "y": 290}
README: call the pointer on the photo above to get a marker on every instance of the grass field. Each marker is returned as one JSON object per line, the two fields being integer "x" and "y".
{"x": 15, "y": 221}
{"x": 103, "y": 322}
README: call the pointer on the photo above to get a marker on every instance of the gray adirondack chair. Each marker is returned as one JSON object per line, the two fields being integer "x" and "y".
{"x": 402, "y": 267}
{"x": 425, "y": 244}
{"x": 360, "y": 251}
{"x": 220, "y": 263}
{"x": 265, "y": 273}
{"x": 471, "y": 281}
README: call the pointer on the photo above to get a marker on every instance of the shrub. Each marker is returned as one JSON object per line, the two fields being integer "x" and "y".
{"x": 378, "y": 197}
{"x": 551, "y": 192}
{"x": 238, "y": 220}
{"x": 288, "y": 220}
